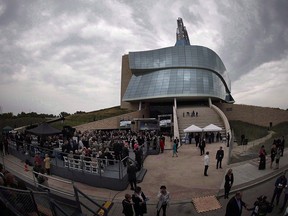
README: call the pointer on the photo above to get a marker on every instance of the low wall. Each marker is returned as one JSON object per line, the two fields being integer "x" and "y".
{"x": 90, "y": 179}
{"x": 113, "y": 122}
{"x": 79, "y": 176}
{"x": 256, "y": 115}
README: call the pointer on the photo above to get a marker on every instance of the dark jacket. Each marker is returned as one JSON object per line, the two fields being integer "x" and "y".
{"x": 127, "y": 208}
{"x": 220, "y": 154}
{"x": 139, "y": 206}
{"x": 232, "y": 208}
{"x": 131, "y": 171}
{"x": 229, "y": 180}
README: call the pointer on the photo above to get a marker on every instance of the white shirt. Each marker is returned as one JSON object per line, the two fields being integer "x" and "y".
{"x": 206, "y": 160}
{"x": 286, "y": 212}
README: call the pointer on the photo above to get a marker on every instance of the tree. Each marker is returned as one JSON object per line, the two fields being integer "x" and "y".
{"x": 64, "y": 114}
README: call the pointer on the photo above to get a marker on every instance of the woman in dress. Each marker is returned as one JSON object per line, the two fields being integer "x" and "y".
{"x": 229, "y": 179}
{"x": 262, "y": 155}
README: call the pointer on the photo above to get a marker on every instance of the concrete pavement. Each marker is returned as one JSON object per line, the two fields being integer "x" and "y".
{"x": 183, "y": 176}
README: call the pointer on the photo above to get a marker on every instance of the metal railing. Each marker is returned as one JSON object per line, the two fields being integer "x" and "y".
{"x": 80, "y": 203}
{"x": 30, "y": 178}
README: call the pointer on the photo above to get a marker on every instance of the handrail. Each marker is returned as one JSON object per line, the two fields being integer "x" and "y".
{"x": 175, "y": 124}
{"x": 127, "y": 157}
{"x": 51, "y": 188}
{"x": 9, "y": 206}
{"x": 32, "y": 179}
{"x": 55, "y": 206}
{"x": 76, "y": 191}
{"x": 51, "y": 177}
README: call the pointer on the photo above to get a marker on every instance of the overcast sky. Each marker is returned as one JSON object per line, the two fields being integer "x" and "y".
{"x": 65, "y": 55}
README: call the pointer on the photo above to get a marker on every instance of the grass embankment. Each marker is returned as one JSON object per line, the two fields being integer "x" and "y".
{"x": 20, "y": 121}
{"x": 71, "y": 120}
{"x": 253, "y": 132}
{"x": 83, "y": 118}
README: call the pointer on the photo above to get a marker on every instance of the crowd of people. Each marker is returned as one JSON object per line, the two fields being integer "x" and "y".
{"x": 276, "y": 152}
{"x": 117, "y": 144}
{"x": 261, "y": 206}
{"x": 113, "y": 145}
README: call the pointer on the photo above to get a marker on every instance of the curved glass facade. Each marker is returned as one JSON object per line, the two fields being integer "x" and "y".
{"x": 180, "y": 71}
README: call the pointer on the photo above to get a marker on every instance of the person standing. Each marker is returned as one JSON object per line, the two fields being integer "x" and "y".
{"x": 272, "y": 155}
{"x": 262, "y": 155}
{"x": 228, "y": 139}
{"x": 175, "y": 149}
{"x": 127, "y": 206}
{"x": 162, "y": 143}
{"x": 163, "y": 200}
{"x": 131, "y": 171}
{"x": 139, "y": 157}
{"x": 282, "y": 145}
{"x": 37, "y": 159}
{"x": 261, "y": 207}
{"x": 229, "y": 179}
{"x": 202, "y": 145}
{"x": 280, "y": 183}
{"x": 277, "y": 158}
{"x": 47, "y": 164}
{"x": 139, "y": 199}
{"x": 285, "y": 198}
{"x": 286, "y": 212}
{"x": 206, "y": 163}
{"x": 176, "y": 140}
{"x": 125, "y": 154}
{"x": 235, "y": 205}
{"x": 219, "y": 157}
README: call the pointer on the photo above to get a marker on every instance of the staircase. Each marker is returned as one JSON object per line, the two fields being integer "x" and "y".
{"x": 205, "y": 117}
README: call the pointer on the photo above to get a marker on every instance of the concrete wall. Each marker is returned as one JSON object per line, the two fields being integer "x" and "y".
{"x": 126, "y": 75}
{"x": 261, "y": 116}
{"x": 113, "y": 122}
{"x": 92, "y": 180}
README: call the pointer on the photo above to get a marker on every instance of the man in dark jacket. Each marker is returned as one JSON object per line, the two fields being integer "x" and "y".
{"x": 219, "y": 157}
{"x": 131, "y": 172}
{"x": 280, "y": 184}
{"x": 235, "y": 205}
{"x": 125, "y": 154}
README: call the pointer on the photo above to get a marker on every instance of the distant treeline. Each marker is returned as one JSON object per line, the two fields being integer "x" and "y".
{"x": 10, "y": 115}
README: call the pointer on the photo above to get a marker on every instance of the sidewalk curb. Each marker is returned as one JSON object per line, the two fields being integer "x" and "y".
{"x": 255, "y": 182}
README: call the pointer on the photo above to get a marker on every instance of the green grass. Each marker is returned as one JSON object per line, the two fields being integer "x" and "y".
{"x": 83, "y": 118}
{"x": 251, "y": 132}
{"x": 19, "y": 122}
{"x": 71, "y": 120}
{"x": 280, "y": 130}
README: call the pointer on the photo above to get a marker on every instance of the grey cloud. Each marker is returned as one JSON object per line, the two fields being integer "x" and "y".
{"x": 253, "y": 34}
{"x": 74, "y": 47}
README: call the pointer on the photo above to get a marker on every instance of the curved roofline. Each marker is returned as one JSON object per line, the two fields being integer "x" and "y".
{"x": 188, "y": 56}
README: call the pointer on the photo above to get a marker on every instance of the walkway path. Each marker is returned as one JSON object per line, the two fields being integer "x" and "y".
{"x": 182, "y": 175}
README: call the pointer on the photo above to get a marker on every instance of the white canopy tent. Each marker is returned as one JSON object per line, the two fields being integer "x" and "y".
{"x": 211, "y": 128}
{"x": 193, "y": 128}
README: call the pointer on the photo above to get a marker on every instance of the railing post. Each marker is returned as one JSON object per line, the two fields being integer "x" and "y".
{"x": 34, "y": 202}
{"x": 77, "y": 198}
{"x": 120, "y": 169}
